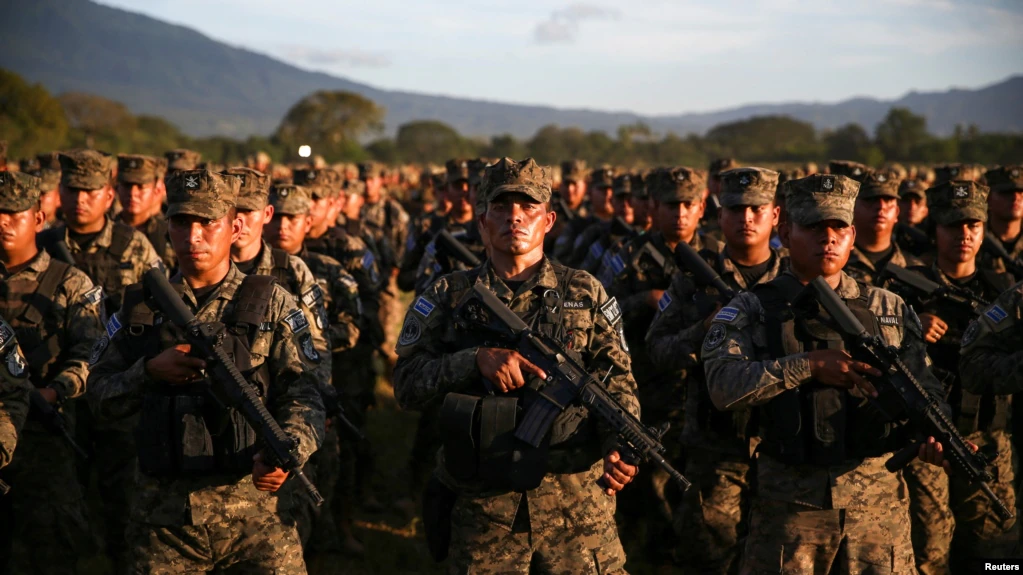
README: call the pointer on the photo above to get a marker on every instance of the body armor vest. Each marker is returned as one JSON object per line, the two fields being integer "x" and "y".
{"x": 27, "y": 307}
{"x": 102, "y": 266}
{"x": 158, "y": 236}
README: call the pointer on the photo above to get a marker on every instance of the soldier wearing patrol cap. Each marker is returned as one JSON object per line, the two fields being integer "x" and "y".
{"x": 49, "y": 174}
{"x": 711, "y": 518}
{"x": 964, "y": 172}
{"x": 599, "y": 239}
{"x": 875, "y": 216}
{"x": 849, "y": 169}
{"x": 599, "y": 189}
{"x": 54, "y": 311}
{"x": 829, "y": 506}
{"x": 192, "y": 512}
{"x": 564, "y": 523}
{"x": 139, "y": 191}
{"x": 182, "y": 159}
{"x": 912, "y": 232}
{"x": 568, "y": 204}
{"x": 1005, "y": 214}
{"x": 959, "y": 211}
{"x": 708, "y": 226}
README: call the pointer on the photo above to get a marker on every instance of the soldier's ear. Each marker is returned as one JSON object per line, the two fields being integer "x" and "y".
{"x": 39, "y": 217}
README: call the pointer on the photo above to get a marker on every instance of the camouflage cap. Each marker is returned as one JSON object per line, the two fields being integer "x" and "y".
{"x": 913, "y": 187}
{"x": 161, "y": 168}
{"x": 136, "y": 169}
{"x": 963, "y": 172}
{"x": 898, "y": 168}
{"x": 289, "y": 199}
{"x": 85, "y": 169}
{"x": 49, "y": 170}
{"x": 182, "y": 159}
{"x": 792, "y": 174}
{"x": 358, "y": 187}
{"x": 676, "y": 184}
{"x": 602, "y": 177}
{"x": 18, "y": 191}
{"x": 625, "y": 184}
{"x": 253, "y": 188}
{"x": 1005, "y": 178}
{"x": 879, "y": 184}
{"x": 573, "y": 171}
{"x": 854, "y": 170}
{"x": 639, "y": 188}
{"x": 321, "y": 182}
{"x": 721, "y": 165}
{"x": 748, "y": 187}
{"x": 820, "y": 197}
{"x": 476, "y": 167}
{"x": 957, "y": 200}
{"x": 509, "y": 176}
{"x": 369, "y": 169}
{"x": 457, "y": 169}
{"x": 201, "y": 193}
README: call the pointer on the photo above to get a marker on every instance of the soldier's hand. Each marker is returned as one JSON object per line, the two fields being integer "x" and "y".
{"x": 175, "y": 366}
{"x": 932, "y": 452}
{"x": 49, "y": 394}
{"x": 653, "y": 297}
{"x": 934, "y": 327}
{"x": 505, "y": 368}
{"x": 267, "y": 478}
{"x": 617, "y": 473}
{"x": 837, "y": 368}
{"x": 710, "y": 318}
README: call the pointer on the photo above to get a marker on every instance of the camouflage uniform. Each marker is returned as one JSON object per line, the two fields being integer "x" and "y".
{"x": 566, "y": 524}
{"x": 54, "y": 310}
{"x": 571, "y": 171}
{"x": 711, "y": 517}
{"x": 213, "y": 518}
{"x": 1004, "y": 180}
{"x": 709, "y": 225}
{"x": 913, "y": 239}
{"x": 848, "y": 515}
{"x": 14, "y": 390}
{"x": 571, "y": 247}
{"x": 142, "y": 170}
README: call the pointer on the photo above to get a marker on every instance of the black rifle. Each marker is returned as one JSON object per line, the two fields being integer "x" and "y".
{"x": 60, "y": 250}
{"x": 567, "y": 213}
{"x": 930, "y": 290}
{"x": 336, "y": 411}
{"x": 53, "y": 420}
{"x": 917, "y": 237}
{"x": 449, "y": 245}
{"x": 227, "y": 385}
{"x": 567, "y": 383}
{"x": 900, "y": 394}
{"x": 689, "y": 260}
{"x": 994, "y": 246}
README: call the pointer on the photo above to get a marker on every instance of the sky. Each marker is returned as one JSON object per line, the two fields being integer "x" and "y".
{"x": 646, "y": 56}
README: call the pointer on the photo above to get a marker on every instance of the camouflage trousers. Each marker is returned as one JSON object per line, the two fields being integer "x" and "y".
{"x": 795, "y": 539}
{"x": 257, "y": 545}
{"x": 43, "y": 519}
{"x": 114, "y": 462}
{"x": 711, "y": 519}
{"x": 566, "y": 525}
{"x": 931, "y": 516}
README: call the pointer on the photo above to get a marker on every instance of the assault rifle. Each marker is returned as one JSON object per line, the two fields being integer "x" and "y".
{"x": 930, "y": 290}
{"x": 900, "y": 394}
{"x": 994, "y": 246}
{"x": 227, "y": 385}
{"x": 336, "y": 412}
{"x": 53, "y": 420}
{"x": 449, "y": 245}
{"x": 567, "y": 383}
{"x": 689, "y": 260}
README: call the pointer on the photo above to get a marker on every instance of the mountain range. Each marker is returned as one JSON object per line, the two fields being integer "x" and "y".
{"x": 210, "y": 88}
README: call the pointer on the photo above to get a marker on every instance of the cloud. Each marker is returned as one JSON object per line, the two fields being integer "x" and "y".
{"x": 340, "y": 58}
{"x": 563, "y": 25}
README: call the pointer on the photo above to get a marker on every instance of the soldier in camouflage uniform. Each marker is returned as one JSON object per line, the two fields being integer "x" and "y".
{"x": 911, "y": 231}
{"x": 599, "y": 189}
{"x": 138, "y": 189}
{"x": 875, "y": 215}
{"x": 709, "y": 226}
{"x": 225, "y": 511}
{"x": 711, "y": 519}
{"x": 565, "y": 523}
{"x": 600, "y": 239}
{"x": 569, "y": 205}
{"x": 1005, "y": 216}
{"x": 14, "y": 392}
{"x": 54, "y": 310}
{"x": 824, "y": 502}
{"x": 49, "y": 173}
{"x": 181, "y": 159}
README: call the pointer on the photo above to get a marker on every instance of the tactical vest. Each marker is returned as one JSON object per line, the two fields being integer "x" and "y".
{"x": 814, "y": 423}
{"x": 282, "y": 273}
{"x": 30, "y": 314}
{"x": 158, "y": 236}
{"x": 102, "y": 266}
{"x": 478, "y": 428}
{"x": 183, "y": 430}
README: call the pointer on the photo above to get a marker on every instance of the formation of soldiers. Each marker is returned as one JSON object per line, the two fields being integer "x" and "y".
{"x": 682, "y": 292}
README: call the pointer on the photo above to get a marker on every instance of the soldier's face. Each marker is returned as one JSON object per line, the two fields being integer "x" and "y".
{"x": 748, "y": 225}
{"x": 373, "y": 185}
{"x": 959, "y": 242}
{"x": 49, "y": 203}
{"x": 678, "y": 220}
{"x": 252, "y": 222}
{"x": 137, "y": 199}
{"x": 600, "y": 200}
{"x": 878, "y": 214}
{"x": 516, "y": 224}
{"x": 574, "y": 192}
{"x": 912, "y": 210}
{"x": 84, "y": 207}
{"x": 202, "y": 244}
{"x": 623, "y": 206}
{"x": 458, "y": 197}
{"x": 643, "y": 213}
{"x": 354, "y": 206}
{"x": 287, "y": 232}
{"x": 18, "y": 231}
{"x": 1006, "y": 206}
{"x": 319, "y": 209}
{"x": 821, "y": 249}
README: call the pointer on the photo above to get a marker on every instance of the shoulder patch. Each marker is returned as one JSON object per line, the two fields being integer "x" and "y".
{"x": 617, "y": 265}
{"x": 611, "y": 310}
{"x": 889, "y": 320}
{"x": 6, "y": 333}
{"x": 368, "y": 259}
{"x": 596, "y": 250}
{"x": 349, "y": 282}
{"x": 727, "y": 314}
{"x": 664, "y": 302}
{"x": 308, "y": 349}
{"x": 98, "y": 348}
{"x": 715, "y": 337}
{"x": 971, "y": 334}
{"x": 423, "y": 306}
{"x": 93, "y": 296}
{"x": 411, "y": 331}
{"x": 996, "y": 314}
{"x": 312, "y": 296}
{"x": 16, "y": 365}
{"x": 296, "y": 321}
{"x": 113, "y": 326}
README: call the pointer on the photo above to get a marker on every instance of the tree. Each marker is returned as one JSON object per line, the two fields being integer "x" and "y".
{"x": 31, "y": 120}
{"x": 765, "y": 138}
{"x": 505, "y": 146}
{"x": 429, "y": 141}
{"x": 383, "y": 150}
{"x": 850, "y": 142}
{"x": 901, "y": 135}
{"x": 331, "y": 123}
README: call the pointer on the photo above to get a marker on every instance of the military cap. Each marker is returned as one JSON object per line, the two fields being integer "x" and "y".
{"x": 676, "y": 184}
{"x": 948, "y": 172}
{"x": 320, "y": 182}
{"x": 369, "y": 170}
{"x": 573, "y": 171}
{"x": 136, "y": 169}
{"x": 182, "y": 159}
{"x": 18, "y": 191}
{"x": 639, "y": 189}
{"x": 476, "y": 167}
{"x": 253, "y": 188}
{"x": 625, "y": 184}
{"x": 721, "y": 165}
{"x": 747, "y": 187}
{"x": 879, "y": 184}
{"x": 201, "y": 193}
{"x": 85, "y": 169}
{"x": 820, "y": 197}
{"x": 957, "y": 200}
{"x": 457, "y": 169}
{"x": 507, "y": 176}
{"x": 48, "y": 170}
{"x": 438, "y": 179}
{"x": 911, "y": 187}
{"x": 602, "y": 177}
{"x": 358, "y": 187}
{"x": 793, "y": 174}
{"x": 28, "y": 166}
{"x": 854, "y": 170}
{"x": 161, "y": 168}
{"x": 1005, "y": 178}
{"x": 898, "y": 168}
{"x": 290, "y": 199}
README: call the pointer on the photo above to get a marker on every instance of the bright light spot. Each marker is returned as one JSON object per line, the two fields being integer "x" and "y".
{"x": 305, "y": 151}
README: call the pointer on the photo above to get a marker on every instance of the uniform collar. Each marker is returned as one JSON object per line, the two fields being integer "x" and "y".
{"x": 38, "y": 265}
{"x": 102, "y": 240}
{"x": 226, "y": 290}
{"x": 544, "y": 278}
{"x": 848, "y": 288}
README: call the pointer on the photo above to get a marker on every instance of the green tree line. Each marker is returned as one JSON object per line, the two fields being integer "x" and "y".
{"x": 343, "y": 126}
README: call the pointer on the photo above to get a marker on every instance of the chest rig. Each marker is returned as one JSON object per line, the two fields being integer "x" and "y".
{"x": 183, "y": 430}
{"x": 814, "y": 423}
{"x": 28, "y": 308}
{"x": 103, "y": 266}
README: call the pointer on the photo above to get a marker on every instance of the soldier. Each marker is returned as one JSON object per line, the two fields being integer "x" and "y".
{"x": 717, "y": 445}
{"x": 223, "y": 512}
{"x": 49, "y": 174}
{"x": 948, "y": 172}
{"x": 600, "y": 238}
{"x": 181, "y": 159}
{"x": 387, "y": 221}
{"x": 877, "y": 211}
{"x": 825, "y": 502}
{"x": 14, "y": 392}
{"x": 139, "y": 191}
{"x": 568, "y": 204}
{"x": 708, "y": 227}
{"x": 959, "y": 210}
{"x": 1005, "y": 214}
{"x": 852, "y": 170}
{"x": 911, "y": 231}
{"x": 599, "y": 189}
{"x": 54, "y": 311}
